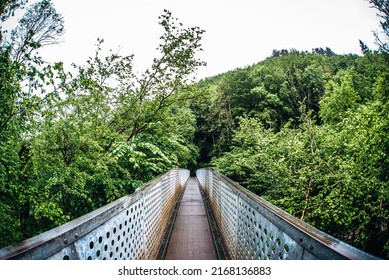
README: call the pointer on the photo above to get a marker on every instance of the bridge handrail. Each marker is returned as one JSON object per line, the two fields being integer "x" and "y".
{"x": 129, "y": 228}
{"x": 252, "y": 228}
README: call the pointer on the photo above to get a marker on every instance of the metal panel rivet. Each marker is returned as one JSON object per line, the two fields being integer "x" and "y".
{"x": 65, "y": 241}
{"x": 301, "y": 239}
{"x": 311, "y": 247}
{"x": 76, "y": 235}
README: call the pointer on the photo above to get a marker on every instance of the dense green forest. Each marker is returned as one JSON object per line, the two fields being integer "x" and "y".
{"x": 306, "y": 130}
{"x": 309, "y": 133}
{"x": 74, "y": 140}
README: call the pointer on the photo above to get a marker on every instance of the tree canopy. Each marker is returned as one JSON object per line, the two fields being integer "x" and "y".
{"x": 72, "y": 141}
{"x": 306, "y": 130}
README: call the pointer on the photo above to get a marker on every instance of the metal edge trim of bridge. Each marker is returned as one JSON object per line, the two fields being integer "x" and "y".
{"x": 169, "y": 229}
{"x": 216, "y": 237}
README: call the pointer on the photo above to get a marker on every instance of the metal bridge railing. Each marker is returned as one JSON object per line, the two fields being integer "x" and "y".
{"x": 252, "y": 228}
{"x": 131, "y": 227}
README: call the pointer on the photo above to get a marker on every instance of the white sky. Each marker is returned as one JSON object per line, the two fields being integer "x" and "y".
{"x": 238, "y": 32}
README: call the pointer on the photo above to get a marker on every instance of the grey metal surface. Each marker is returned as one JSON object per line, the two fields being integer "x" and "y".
{"x": 191, "y": 237}
{"x": 252, "y": 228}
{"x": 128, "y": 228}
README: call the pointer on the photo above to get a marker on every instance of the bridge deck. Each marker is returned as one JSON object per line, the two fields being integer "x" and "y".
{"x": 191, "y": 237}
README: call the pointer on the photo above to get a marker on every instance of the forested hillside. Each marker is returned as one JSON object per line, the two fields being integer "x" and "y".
{"x": 306, "y": 130}
{"x": 309, "y": 133}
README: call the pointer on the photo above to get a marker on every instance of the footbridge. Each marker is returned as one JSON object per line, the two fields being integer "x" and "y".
{"x": 176, "y": 216}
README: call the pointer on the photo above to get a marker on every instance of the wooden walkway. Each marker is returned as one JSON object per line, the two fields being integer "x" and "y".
{"x": 191, "y": 237}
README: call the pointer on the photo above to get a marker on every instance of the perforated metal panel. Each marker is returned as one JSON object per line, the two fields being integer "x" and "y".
{"x": 247, "y": 234}
{"x": 131, "y": 228}
{"x": 252, "y": 228}
{"x": 153, "y": 210}
{"x": 118, "y": 238}
{"x": 214, "y": 196}
{"x": 261, "y": 239}
{"x": 229, "y": 217}
{"x": 159, "y": 202}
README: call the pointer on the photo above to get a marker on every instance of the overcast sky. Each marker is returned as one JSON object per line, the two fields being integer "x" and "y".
{"x": 238, "y": 32}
